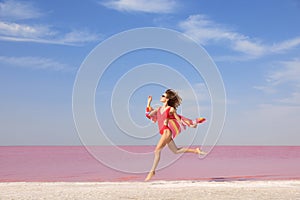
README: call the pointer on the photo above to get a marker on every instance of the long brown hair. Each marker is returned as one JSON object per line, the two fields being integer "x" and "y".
{"x": 174, "y": 98}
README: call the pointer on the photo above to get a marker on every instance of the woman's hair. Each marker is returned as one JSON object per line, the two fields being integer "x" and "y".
{"x": 174, "y": 98}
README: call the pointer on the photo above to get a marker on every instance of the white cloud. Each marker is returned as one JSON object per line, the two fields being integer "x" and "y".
{"x": 289, "y": 71}
{"x": 79, "y": 37}
{"x": 294, "y": 99}
{"x": 11, "y": 10}
{"x": 266, "y": 89}
{"x": 284, "y": 81}
{"x": 44, "y": 34}
{"x": 16, "y": 10}
{"x": 285, "y": 45}
{"x": 37, "y": 63}
{"x": 248, "y": 47}
{"x": 275, "y": 122}
{"x": 23, "y": 30}
{"x": 206, "y": 31}
{"x": 153, "y": 6}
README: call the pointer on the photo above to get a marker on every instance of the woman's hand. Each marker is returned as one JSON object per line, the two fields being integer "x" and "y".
{"x": 149, "y": 101}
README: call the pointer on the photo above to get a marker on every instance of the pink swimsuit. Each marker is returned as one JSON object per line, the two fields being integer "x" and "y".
{"x": 173, "y": 125}
{"x": 161, "y": 118}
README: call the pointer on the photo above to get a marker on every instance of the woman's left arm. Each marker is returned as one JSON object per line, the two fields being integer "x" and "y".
{"x": 173, "y": 112}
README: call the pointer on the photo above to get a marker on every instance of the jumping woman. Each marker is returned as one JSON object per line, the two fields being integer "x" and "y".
{"x": 169, "y": 124}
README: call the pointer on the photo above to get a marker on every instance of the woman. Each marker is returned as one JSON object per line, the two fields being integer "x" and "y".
{"x": 169, "y": 124}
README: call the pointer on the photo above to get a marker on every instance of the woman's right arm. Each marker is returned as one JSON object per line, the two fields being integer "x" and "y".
{"x": 149, "y": 110}
{"x": 153, "y": 112}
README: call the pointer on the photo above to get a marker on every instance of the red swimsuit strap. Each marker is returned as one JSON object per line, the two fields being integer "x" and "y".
{"x": 168, "y": 112}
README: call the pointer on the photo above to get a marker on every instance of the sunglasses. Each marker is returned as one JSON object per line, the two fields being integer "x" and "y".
{"x": 163, "y": 95}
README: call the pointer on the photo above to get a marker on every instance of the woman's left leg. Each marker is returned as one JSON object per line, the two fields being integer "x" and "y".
{"x": 172, "y": 146}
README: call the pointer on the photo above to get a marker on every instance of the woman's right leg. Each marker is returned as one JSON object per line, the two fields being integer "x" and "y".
{"x": 165, "y": 138}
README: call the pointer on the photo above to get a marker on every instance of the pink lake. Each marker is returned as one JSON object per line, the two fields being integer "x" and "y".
{"x": 75, "y": 163}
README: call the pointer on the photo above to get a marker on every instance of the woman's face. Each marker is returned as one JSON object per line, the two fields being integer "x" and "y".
{"x": 163, "y": 98}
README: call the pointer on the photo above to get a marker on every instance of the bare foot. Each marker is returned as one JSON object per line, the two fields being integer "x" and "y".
{"x": 194, "y": 126}
{"x": 150, "y": 175}
{"x": 200, "y": 152}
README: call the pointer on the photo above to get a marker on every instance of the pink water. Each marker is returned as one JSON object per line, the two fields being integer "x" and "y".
{"x": 224, "y": 163}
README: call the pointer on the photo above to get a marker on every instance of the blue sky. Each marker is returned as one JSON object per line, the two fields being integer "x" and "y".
{"x": 255, "y": 45}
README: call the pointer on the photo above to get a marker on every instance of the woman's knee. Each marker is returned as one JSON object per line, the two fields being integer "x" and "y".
{"x": 157, "y": 151}
{"x": 176, "y": 151}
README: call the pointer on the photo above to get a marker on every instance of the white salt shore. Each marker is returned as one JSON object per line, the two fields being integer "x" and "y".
{"x": 152, "y": 190}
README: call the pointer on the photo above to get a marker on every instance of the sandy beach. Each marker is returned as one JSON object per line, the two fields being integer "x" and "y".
{"x": 152, "y": 190}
